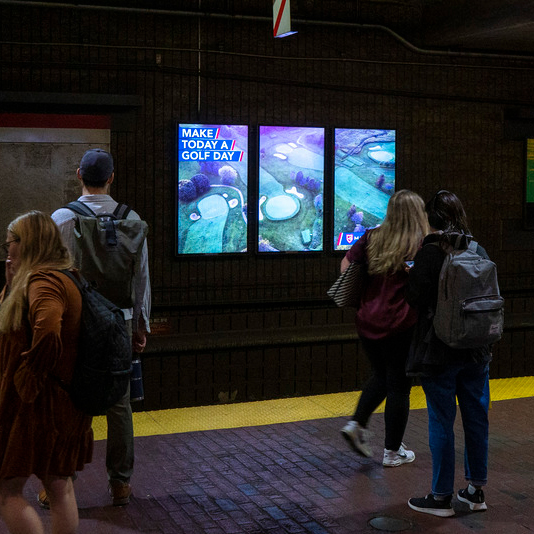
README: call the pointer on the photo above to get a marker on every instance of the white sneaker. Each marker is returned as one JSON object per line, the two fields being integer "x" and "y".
{"x": 396, "y": 458}
{"x": 357, "y": 437}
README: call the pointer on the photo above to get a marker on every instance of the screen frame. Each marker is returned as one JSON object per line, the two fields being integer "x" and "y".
{"x": 528, "y": 190}
{"x": 257, "y": 196}
{"x": 333, "y": 242}
{"x": 246, "y": 198}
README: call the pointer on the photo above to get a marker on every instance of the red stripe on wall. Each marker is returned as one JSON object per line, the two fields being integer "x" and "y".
{"x": 50, "y": 120}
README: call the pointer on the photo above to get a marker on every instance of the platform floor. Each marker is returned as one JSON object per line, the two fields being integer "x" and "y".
{"x": 282, "y": 467}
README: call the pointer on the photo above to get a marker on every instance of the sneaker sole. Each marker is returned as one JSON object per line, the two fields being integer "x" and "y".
{"x": 354, "y": 446}
{"x": 473, "y": 506}
{"x": 448, "y": 512}
{"x": 396, "y": 463}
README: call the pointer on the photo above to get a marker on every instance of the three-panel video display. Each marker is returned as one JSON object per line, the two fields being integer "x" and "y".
{"x": 288, "y": 188}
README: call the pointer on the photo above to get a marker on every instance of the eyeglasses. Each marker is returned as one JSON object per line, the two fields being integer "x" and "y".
{"x": 5, "y": 246}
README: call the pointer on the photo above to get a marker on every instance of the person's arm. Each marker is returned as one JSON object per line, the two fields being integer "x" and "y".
{"x": 423, "y": 278}
{"x": 356, "y": 253}
{"x": 142, "y": 306}
{"x": 344, "y": 264}
{"x": 481, "y": 251}
{"x": 47, "y": 302}
{"x": 65, "y": 220}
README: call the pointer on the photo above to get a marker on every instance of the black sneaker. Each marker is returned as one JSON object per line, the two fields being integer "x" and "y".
{"x": 429, "y": 505}
{"x": 475, "y": 500}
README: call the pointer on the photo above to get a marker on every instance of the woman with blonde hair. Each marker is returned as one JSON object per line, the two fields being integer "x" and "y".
{"x": 41, "y": 432}
{"x": 385, "y": 323}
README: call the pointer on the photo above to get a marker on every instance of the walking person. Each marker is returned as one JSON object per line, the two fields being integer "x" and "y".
{"x": 448, "y": 374}
{"x": 41, "y": 431}
{"x": 384, "y": 322}
{"x": 96, "y": 174}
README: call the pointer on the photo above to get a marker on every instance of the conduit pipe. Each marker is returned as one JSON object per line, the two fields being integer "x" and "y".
{"x": 351, "y": 25}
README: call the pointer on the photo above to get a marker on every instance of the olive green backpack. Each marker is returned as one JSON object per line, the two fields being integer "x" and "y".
{"x": 108, "y": 250}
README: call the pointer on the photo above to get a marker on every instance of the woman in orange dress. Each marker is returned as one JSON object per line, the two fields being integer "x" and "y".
{"x": 41, "y": 432}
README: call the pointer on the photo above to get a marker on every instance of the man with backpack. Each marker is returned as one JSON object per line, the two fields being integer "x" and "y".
{"x": 106, "y": 264}
{"x": 454, "y": 287}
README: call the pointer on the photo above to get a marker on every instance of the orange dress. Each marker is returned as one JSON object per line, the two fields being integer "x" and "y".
{"x": 41, "y": 432}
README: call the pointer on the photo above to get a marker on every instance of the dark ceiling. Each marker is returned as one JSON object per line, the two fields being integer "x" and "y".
{"x": 505, "y": 26}
{"x": 488, "y": 26}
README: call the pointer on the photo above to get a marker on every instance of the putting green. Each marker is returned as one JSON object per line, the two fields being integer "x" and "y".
{"x": 281, "y": 207}
{"x": 213, "y": 206}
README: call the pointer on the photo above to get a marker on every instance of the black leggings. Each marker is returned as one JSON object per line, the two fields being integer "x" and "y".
{"x": 389, "y": 381}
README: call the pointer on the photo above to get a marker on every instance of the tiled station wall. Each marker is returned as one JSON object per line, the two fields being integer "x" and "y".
{"x": 262, "y": 325}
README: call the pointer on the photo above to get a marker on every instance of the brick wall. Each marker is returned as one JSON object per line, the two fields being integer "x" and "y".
{"x": 456, "y": 120}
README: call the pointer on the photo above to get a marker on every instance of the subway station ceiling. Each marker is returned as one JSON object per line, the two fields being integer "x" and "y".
{"x": 490, "y": 26}
{"x": 485, "y": 25}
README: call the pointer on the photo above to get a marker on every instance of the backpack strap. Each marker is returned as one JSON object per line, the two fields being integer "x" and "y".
{"x": 76, "y": 277}
{"x": 121, "y": 211}
{"x": 460, "y": 242}
{"x": 473, "y": 246}
{"x": 463, "y": 242}
{"x": 80, "y": 208}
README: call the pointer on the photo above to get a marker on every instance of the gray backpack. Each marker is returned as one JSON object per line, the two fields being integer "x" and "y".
{"x": 469, "y": 313}
{"x": 108, "y": 250}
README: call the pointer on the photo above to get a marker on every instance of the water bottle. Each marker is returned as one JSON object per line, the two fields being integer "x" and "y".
{"x": 136, "y": 381}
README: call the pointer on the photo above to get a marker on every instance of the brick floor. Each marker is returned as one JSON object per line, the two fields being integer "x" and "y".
{"x": 302, "y": 478}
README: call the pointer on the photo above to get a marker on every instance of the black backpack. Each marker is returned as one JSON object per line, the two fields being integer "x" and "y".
{"x": 104, "y": 361}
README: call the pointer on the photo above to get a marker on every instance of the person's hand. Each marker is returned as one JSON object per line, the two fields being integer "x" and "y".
{"x": 139, "y": 341}
{"x": 408, "y": 265}
{"x": 344, "y": 265}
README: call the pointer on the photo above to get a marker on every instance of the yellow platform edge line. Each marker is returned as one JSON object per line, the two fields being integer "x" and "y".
{"x": 287, "y": 410}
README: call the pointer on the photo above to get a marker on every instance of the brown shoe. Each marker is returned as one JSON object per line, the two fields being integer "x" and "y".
{"x": 42, "y": 499}
{"x": 120, "y": 492}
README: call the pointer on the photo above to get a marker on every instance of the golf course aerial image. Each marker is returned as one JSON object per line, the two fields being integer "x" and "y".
{"x": 364, "y": 180}
{"x": 291, "y": 180}
{"x": 212, "y": 189}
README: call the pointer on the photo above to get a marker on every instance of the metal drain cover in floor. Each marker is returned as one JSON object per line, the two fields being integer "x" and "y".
{"x": 390, "y": 524}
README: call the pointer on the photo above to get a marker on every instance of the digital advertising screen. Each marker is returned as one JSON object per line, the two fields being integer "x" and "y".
{"x": 364, "y": 181}
{"x": 212, "y": 188}
{"x": 291, "y": 183}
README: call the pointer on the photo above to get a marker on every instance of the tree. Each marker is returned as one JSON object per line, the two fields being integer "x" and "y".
{"x": 318, "y": 202}
{"x": 228, "y": 175}
{"x": 202, "y": 183}
{"x": 187, "y": 192}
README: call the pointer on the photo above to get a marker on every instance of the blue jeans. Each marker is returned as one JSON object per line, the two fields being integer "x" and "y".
{"x": 469, "y": 383}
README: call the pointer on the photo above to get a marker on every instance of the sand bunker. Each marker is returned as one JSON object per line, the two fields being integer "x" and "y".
{"x": 382, "y": 157}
